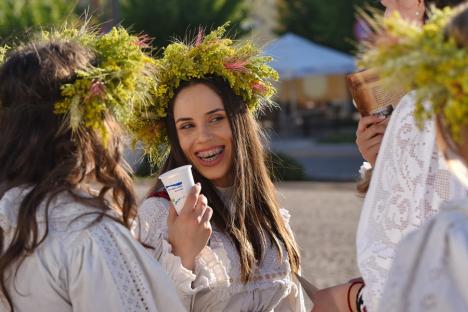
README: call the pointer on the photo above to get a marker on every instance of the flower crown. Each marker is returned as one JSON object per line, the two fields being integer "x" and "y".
{"x": 3, "y": 51}
{"x": 120, "y": 82}
{"x": 425, "y": 60}
{"x": 241, "y": 65}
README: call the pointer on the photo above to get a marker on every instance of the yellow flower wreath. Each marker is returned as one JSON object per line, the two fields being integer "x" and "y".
{"x": 426, "y": 60}
{"x": 241, "y": 65}
{"x": 121, "y": 82}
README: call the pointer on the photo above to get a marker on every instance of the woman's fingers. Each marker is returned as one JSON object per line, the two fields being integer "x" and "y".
{"x": 207, "y": 215}
{"x": 191, "y": 199}
{"x": 376, "y": 140}
{"x": 172, "y": 214}
{"x": 372, "y": 131}
{"x": 367, "y": 121}
{"x": 200, "y": 207}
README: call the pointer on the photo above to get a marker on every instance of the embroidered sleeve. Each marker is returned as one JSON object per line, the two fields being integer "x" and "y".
{"x": 295, "y": 300}
{"x": 110, "y": 271}
{"x": 429, "y": 268}
{"x": 409, "y": 182}
{"x": 210, "y": 271}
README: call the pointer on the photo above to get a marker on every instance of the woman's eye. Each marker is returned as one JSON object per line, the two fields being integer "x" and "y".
{"x": 217, "y": 119}
{"x": 186, "y": 126}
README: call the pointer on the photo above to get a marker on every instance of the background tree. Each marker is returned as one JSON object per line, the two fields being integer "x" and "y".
{"x": 164, "y": 20}
{"x": 18, "y": 15}
{"x": 327, "y": 22}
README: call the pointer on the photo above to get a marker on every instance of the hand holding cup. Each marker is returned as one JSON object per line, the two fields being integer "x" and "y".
{"x": 189, "y": 232}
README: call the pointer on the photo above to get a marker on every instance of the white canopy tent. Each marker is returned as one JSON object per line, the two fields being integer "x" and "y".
{"x": 297, "y": 57}
{"x": 308, "y": 71}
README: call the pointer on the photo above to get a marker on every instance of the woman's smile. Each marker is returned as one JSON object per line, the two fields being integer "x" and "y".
{"x": 204, "y": 132}
{"x": 210, "y": 157}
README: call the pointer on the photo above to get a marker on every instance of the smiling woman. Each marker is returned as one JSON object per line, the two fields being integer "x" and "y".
{"x": 245, "y": 257}
{"x": 204, "y": 133}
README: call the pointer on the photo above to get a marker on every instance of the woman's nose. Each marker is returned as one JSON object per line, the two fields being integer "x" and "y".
{"x": 205, "y": 134}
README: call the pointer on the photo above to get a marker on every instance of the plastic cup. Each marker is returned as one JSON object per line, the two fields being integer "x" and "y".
{"x": 178, "y": 183}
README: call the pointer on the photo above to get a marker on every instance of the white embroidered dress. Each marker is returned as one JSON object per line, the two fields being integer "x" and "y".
{"x": 409, "y": 182}
{"x": 81, "y": 267}
{"x": 215, "y": 284}
{"x": 430, "y": 268}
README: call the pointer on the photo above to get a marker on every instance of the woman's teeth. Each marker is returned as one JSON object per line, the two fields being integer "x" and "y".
{"x": 211, "y": 154}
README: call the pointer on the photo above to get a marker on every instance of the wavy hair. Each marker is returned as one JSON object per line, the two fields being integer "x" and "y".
{"x": 40, "y": 151}
{"x": 257, "y": 221}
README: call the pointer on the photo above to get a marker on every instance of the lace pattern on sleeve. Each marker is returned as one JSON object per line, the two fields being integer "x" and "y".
{"x": 409, "y": 181}
{"x": 125, "y": 270}
{"x": 428, "y": 273}
{"x": 210, "y": 268}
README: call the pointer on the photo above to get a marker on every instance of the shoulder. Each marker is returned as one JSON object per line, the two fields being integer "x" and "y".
{"x": 403, "y": 115}
{"x": 454, "y": 217}
{"x": 152, "y": 218}
{"x": 406, "y": 104}
{"x": 153, "y": 207}
{"x": 449, "y": 227}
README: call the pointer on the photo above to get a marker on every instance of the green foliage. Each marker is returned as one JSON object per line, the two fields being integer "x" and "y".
{"x": 285, "y": 168}
{"x": 146, "y": 168}
{"x": 18, "y": 15}
{"x": 327, "y": 22}
{"x": 165, "y": 20}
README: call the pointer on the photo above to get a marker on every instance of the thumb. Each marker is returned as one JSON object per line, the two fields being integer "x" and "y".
{"x": 172, "y": 214}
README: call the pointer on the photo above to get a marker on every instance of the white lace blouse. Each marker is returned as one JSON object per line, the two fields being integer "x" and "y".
{"x": 409, "y": 182}
{"x": 430, "y": 268}
{"x": 83, "y": 267}
{"x": 215, "y": 284}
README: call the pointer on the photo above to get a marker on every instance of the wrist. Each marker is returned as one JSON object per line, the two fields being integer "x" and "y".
{"x": 353, "y": 291}
{"x": 187, "y": 260}
{"x": 188, "y": 263}
{"x": 365, "y": 168}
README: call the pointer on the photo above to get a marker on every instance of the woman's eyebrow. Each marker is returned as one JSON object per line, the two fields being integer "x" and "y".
{"x": 215, "y": 111}
{"x": 183, "y": 119}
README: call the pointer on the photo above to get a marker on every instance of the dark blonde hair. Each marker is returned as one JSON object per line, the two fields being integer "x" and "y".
{"x": 39, "y": 150}
{"x": 257, "y": 220}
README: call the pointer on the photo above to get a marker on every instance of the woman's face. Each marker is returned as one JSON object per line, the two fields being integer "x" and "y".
{"x": 412, "y": 10}
{"x": 204, "y": 133}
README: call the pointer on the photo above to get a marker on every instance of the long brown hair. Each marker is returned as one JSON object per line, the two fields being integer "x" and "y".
{"x": 38, "y": 149}
{"x": 257, "y": 219}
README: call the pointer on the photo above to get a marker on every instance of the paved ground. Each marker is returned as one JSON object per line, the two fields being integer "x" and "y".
{"x": 324, "y": 219}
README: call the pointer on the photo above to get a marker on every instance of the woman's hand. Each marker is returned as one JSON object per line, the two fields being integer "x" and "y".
{"x": 189, "y": 232}
{"x": 335, "y": 299}
{"x": 369, "y": 135}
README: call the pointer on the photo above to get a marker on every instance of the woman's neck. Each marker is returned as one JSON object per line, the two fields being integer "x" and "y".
{"x": 413, "y": 12}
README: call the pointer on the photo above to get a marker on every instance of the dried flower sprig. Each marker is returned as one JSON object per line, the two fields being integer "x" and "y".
{"x": 424, "y": 59}
{"x": 241, "y": 65}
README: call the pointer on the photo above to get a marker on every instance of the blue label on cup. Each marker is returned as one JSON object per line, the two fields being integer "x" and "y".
{"x": 174, "y": 186}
